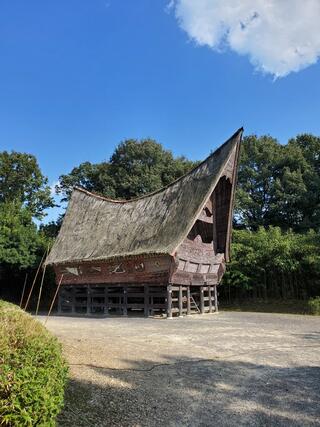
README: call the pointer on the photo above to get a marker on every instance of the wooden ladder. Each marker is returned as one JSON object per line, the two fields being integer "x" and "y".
{"x": 193, "y": 304}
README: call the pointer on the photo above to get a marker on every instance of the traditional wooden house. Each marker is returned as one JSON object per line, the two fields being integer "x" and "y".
{"x": 163, "y": 253}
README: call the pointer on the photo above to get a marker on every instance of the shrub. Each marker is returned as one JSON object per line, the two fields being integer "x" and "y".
{"x": 314, "y": 305}
{"x": 33, "y": 372}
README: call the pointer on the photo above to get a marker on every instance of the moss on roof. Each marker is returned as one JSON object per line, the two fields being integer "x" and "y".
{"x": 97, "y": 228}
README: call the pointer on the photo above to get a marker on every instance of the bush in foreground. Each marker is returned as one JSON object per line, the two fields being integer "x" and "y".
{"x": 314, "y": 305}
{"x": 32, "y": 371}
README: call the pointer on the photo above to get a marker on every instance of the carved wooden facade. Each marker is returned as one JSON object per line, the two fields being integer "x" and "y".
{"x": 163, "y": 253}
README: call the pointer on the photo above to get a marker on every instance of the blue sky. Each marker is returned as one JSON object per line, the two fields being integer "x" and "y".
{"x": 77, "y": 77}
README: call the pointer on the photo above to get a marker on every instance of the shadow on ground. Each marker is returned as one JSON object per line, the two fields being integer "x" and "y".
{"x": 189, "y": 392}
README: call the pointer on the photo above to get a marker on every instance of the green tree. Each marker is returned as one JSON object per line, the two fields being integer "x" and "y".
{"x": 21, "y": 180}
{"x": 271, "y": 263}
{"x": 20, "y": 241}
{"x": 309, "y": 146}
{"x": 136, "y": 167}
{"x": 271, "y": 184}
{"x": 140, "y": 167}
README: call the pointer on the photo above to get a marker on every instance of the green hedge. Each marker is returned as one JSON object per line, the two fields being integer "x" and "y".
{"x": 314, "y": 305}
{"x": 33, "y": 372}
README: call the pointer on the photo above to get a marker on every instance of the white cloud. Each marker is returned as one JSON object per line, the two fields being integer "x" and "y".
{"x": 279, "y": 36}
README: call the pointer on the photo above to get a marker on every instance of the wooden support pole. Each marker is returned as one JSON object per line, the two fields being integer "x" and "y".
{"x": 169, "y": 301}
{"x": 188, "y": 301}
{"x": 54, "y": 298}
{"x": 215, "y": 299}
{"x": 201, "y": 300}
{"x": 88, "y": 300}
{"x": 41, "y": 284}
{"x": 125, "y": 301}
{"x": 34, "y": 281}
{"x": 146, "y": 300}
{"x": 106, "y": 301}
{"x": 210, "y": 298}
{"x": 23, "y": 290}
{"x": 180, "y": 301}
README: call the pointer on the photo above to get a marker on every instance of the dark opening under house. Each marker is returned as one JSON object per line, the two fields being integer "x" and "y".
{"x": 163, "y": 253}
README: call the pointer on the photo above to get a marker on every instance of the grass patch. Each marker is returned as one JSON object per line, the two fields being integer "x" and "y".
{"x": 33, "y": 372}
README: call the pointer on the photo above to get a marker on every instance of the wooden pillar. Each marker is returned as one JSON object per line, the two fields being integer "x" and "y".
{"x": 106, "y": 301}
{"x": 125, "y": 301}
{"x": 146, "y": 300}
{"x": 215, "y": 299}
{"x": 88, "y": 300}
{"x": 180, "y": 301}
{"x": 169, "y": 302}
{"x": 201, "y": 300}
{"x": 188, "y": 301}
{"x": 210, "y": 298}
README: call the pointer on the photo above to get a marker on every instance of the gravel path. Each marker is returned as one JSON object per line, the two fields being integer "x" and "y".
{"x": 230, "y": 369}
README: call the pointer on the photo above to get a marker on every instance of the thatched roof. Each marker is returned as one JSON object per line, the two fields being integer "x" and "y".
{"x": 97, "y": 228}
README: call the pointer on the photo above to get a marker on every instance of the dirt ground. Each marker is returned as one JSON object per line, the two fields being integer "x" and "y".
{"x": 230, "y": 369}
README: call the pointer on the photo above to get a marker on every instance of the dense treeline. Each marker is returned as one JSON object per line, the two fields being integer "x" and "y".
{"x": 275, "y": 250}
{"x": 271, "y": 263}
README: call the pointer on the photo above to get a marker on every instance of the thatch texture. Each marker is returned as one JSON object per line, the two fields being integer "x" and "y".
{"x": 96, "y": 228}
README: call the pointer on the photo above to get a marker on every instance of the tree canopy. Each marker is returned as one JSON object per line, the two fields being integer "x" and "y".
{"x": 22, "y": 181}
{"x": 278, "y": 184}
{"x": 136, "y": 167}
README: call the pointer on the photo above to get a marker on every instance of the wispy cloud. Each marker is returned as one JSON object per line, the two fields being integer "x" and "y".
{"x": 279, "y": 36}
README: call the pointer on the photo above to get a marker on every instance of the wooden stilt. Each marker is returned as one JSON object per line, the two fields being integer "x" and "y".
{"x": 169, "y": 301}
{"x": 88, "y": 300}
{"x": 188, "y": 301}
{"x": 23, "y": 290}
{"x": 180, "y": 301}
{"x": 201, "y": 300}
{"x": 125, "y": 301}
{"x": 210, "y": 298}
{"x": 146, "y": 300}
{"x": 106, "y": 301}
{"x": 215, "y": 299}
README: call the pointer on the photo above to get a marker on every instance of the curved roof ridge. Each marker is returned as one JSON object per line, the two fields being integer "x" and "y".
{"x": 109, "y": 199}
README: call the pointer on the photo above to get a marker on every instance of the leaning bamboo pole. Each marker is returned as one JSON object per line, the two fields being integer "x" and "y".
{"x": 42, "y": 279}
{"x": 34, "y": 281}
{"x": 54, "y": 298}
{"x": 23, "y": 290}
